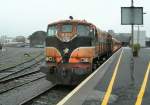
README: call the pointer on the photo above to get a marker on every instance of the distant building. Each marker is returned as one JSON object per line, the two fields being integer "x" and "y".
{"x": 125, "y": 38}
{"x": 140, "y": 37}
{"x": 5, "y": 39}
{"x": 20, "y": 39}
{"x": 147, "y": 42}
{"x": 37, "y": 39}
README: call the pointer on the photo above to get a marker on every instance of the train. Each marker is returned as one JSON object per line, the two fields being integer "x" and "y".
{"x": 74, "y": 49}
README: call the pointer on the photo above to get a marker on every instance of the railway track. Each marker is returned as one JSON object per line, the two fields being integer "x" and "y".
{"x": 51, "y": 93}
{"x": 23, "y": 89}
{"x": 17, "y": 82}
{"x": 22, "y": 78}
{"x": 22, "y": 69}
{"x": 52, "y": 96}
{"x": 21, "y": 74}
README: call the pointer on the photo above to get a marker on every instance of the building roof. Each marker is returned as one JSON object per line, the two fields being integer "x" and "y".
{"x": 123, "y": 37}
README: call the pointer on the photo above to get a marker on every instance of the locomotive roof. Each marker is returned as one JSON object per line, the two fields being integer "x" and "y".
{"x": 72, "y": 21}
{"x": 78, "y": 22}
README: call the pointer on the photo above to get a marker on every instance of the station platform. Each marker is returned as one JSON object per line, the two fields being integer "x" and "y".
{"x": 121, "y": 80}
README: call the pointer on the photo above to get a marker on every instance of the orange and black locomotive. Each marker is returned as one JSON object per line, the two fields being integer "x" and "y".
{"x": 74, "y": 48}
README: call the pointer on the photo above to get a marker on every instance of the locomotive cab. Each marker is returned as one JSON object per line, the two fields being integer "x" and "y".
{"x": 69, "y": 52}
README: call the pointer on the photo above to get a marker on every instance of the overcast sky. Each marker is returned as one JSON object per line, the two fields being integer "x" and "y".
{"x": 23, "y": 17}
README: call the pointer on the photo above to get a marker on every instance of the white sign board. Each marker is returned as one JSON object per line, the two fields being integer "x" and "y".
{"x": 132, "y": 15}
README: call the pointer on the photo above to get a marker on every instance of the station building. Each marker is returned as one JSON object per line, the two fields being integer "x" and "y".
{"x": 147, "y": 42}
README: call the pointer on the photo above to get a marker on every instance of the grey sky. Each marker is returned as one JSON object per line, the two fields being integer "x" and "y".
{"x": 23, "y": 17}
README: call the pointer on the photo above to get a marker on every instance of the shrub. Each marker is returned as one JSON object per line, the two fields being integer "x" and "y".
{"x": 136, "y": 48}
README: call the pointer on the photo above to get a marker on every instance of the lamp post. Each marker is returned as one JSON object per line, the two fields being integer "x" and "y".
{"x": 138, "y": 34}
{"x": 132, "y": 27}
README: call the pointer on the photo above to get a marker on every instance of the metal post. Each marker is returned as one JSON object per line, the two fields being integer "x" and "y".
{"x": 132, "y": 33}
{"x": 132, "y": 3}
{"x": 132, "y": 27}
{"x": 138, "y": 35}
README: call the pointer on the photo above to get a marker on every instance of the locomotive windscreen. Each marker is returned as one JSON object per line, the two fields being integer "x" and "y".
{"x": 66, "y": 28}
{"x": 52, "y": 30}
{"x": 83, "y": 30}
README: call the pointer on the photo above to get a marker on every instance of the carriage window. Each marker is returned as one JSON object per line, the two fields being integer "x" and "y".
{"x": 83, "y": 30}
{"x": 52, "y": 30}
{"x": 66, "y": 28}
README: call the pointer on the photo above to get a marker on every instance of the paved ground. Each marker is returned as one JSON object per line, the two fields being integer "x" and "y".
{"x": 12, "y": 56}
{"x": 10, "y": 52}
{"x": 119, "y": 81}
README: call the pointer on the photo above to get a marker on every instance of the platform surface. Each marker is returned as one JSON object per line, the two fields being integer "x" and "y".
{"x": 121, "y": 80}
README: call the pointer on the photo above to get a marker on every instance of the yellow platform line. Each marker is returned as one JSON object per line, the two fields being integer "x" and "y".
{"x": 142, "y": 90}
{"x": 109, "y": 89}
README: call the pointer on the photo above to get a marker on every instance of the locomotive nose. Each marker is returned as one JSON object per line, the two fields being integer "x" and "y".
{"x": 66, "y": 38}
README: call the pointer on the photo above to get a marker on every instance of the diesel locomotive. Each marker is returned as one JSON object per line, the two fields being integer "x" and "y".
{"x": 74, "y": 49}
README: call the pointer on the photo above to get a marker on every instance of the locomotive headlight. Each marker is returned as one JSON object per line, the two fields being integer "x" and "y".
{"x": 47, "y": 58}
{"x": 50, "y": 59}
{"x": 84, "y": 60}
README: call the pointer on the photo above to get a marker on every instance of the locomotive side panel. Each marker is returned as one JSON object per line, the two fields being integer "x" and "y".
{"x": 104, "y": 40}
{"x": 115, "y": 45}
